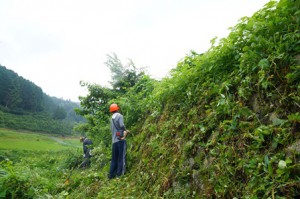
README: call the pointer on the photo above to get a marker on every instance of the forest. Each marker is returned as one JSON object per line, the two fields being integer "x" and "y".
{"x": 225, "y": 124}
{"x": 24, "y": 105}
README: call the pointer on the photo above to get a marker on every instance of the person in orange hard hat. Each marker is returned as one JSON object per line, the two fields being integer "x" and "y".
{"x": 119, "y": 133}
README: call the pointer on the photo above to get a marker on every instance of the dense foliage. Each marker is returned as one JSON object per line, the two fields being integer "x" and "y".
{"x": 39, "y": 122}
{"x": 227, "y": 120}
{"x": 226, "y": 123}
{"x": 16, "y": 93}
{"x": 34, "y": 174}
{"x": 23, "y": 105}
{"x": 129, "y": 86}
{"x": 33, "y": 165}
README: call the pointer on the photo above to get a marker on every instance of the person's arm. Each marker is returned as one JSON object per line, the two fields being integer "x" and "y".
{"x": 121, "y": 123}
{"x": 84, "y": 148}
{"x": 122, "y": 126}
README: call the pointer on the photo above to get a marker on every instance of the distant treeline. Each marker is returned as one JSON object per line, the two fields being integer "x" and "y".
{"x": 19, "y": 94}
{"x": 21, "y": 100}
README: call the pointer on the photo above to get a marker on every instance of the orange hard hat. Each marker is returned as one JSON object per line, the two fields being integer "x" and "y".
{"x": 113, "y": 108}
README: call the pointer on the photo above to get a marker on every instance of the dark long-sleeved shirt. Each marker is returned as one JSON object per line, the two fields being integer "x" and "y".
{"x": 86, "y": 150}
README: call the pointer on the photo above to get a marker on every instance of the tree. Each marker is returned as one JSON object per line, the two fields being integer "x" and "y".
{"x": 13, "y": 95}
{"x": 123, "y": 77}
{"x": 95, "y": 106}
{"x": 59, "y": 113}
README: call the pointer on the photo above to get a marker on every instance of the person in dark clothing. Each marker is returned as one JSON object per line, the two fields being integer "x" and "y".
{"x": 87, "y": 147}
{"x": 119, "y": 133}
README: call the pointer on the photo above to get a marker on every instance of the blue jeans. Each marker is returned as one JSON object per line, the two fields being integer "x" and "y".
{"x": 118, "y": 159}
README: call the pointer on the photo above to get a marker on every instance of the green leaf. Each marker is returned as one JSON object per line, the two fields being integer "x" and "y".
{"x": 264, "y": 64}
{"x": 294, "y": 117}
{"x": 3, "y": 193}
{"x": 288, "y": 161}
{"x": 270, "y": 169}
{"x": 281, "y": 164}
{"x": 266, "y": 158}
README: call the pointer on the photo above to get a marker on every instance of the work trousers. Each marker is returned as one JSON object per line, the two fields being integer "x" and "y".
{"x": 118, "y": 159}
{"x": 87, "y": 162}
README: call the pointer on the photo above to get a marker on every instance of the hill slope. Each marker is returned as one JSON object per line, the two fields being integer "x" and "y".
{"x": 226, "y": 124}
{"x": 23, "y": 105}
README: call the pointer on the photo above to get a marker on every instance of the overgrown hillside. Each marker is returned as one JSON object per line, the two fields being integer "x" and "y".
{"x": 226, "y": 123}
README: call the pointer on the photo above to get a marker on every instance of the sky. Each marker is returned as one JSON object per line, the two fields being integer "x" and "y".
{"x": 58, "y": 43}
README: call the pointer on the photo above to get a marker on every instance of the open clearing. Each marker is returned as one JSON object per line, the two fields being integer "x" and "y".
{"x": 23, "y": 140}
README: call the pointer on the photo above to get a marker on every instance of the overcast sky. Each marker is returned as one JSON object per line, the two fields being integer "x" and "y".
{"x": 57, "y": 43}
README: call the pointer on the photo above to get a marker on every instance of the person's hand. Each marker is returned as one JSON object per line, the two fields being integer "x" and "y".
{"x": 125, "y": 134}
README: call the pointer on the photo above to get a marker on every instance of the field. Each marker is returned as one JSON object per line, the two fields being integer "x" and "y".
{"x": 22, "y": 140}
{"x": 36, "y": 164}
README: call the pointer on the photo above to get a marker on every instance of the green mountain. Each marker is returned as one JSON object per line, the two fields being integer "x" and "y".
{"x": 24, "y": 105}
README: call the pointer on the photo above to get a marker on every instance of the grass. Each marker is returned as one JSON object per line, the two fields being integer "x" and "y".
{"x": 23, "y": 140}
{"x": 34, "y": 164}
